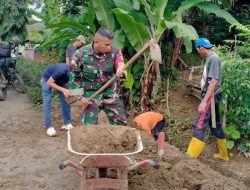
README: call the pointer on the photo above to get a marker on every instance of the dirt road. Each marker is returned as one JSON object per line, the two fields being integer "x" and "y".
{"x": 29, "y": 159}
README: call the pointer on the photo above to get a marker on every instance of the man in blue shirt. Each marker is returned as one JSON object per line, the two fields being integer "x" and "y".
{"x": 56, "y": 76}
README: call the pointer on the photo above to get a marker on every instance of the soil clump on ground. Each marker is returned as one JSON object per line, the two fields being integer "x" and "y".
{"x": 177, "y": 172}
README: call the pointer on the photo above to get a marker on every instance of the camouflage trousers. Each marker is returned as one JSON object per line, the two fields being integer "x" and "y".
{"x": 113, "y": 107}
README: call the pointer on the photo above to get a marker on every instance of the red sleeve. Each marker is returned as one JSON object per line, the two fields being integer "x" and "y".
{"x": 119, "y": 59}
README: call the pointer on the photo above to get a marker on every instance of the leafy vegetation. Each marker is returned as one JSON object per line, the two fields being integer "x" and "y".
{"x": 148, "y": 19}
{"x": 236, "y": 99}
{"x": 13, "y": 19}
{"x": 174, "y": 24}
{"x": 31, "y": 72}
{"x": 236, "y": 86}
{"x": 243, "y": 39}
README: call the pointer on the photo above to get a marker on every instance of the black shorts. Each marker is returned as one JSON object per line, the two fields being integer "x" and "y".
{"x": 158, "y": 128}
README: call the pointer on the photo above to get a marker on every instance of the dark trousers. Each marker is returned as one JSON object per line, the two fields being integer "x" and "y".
{"x": 158, "y": 128}
{"x": 205, "y": 118}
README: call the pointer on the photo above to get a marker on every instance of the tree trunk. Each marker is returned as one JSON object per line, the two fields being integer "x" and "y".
{"x": 177, "y": 51}
{"x": 179, "y": 43}
{"x": 147, "y": 87}
{"x": 150, "y": 73}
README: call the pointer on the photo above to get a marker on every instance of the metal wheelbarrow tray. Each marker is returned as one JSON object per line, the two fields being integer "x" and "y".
{"x": 102, "y": 162}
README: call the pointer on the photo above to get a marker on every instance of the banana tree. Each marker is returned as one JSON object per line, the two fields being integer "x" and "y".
{"x": 135, "y": 22}
{"x": 50, "y": 11}
{"x": 68, "y": 27}
{"x": 159, "y": 16}
{"x": 207, "y": 7}
{"x": 13, "y": 18}
{"x": 47, "y": 12}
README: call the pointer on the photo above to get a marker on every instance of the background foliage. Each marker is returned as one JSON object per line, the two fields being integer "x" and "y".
{"x": 175, "y": 24}
{"x": 13, "y": 19}
{"x": 236, "y": 98}
{"x": 31, "y": 72}
{"x": 236, "y": 95}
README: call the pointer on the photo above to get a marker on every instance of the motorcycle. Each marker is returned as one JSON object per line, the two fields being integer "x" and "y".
{"x": 8, "y": 73}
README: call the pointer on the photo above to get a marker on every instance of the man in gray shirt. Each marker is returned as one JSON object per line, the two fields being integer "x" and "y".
{"x": 78, "y": 43}
{"x": 210, "y": 88}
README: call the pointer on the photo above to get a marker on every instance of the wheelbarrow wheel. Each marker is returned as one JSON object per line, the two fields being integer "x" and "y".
{"x": 19, "y": 85}
{"x": 102, "y": 172}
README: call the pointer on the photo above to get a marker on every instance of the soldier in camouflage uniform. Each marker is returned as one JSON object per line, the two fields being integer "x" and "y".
{"x": 91, "y": 67}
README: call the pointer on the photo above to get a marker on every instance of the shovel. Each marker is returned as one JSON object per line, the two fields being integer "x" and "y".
{"x": 155, "y": 56}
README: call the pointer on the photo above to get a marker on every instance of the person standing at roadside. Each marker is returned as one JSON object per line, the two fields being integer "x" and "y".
{"x": 210, "y": 89}
{"x": 78, "y": 43}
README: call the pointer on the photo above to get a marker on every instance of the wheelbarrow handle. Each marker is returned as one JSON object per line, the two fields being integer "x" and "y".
{"x": 155, "y": 165}
{"x": 145, "y": 163}
{"x": 63, "y": 165}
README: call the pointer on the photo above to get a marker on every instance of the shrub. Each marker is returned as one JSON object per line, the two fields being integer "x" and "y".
{"x": 31, "y": 72}
{"x": 241, "y": 43}
{"x": 236, "y": 101}
{"x": 56, "y": 52}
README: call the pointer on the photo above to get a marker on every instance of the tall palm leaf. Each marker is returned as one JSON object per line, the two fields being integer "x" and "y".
{"x": 58, "y": 38}
{"x": 104, "y": 14}
{"x": 125, "y": 5}
{"x": 67, "y": 28}
{"x": 91, "y": 17}
{"x": 212, "y": 8}
{"x": 119, "y": 39}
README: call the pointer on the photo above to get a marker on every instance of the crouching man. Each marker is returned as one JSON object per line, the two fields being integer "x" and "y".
{"x": 56, "y": 77}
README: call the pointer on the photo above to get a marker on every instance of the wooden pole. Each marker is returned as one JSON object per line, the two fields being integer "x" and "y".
{"x": 213, "y": 111}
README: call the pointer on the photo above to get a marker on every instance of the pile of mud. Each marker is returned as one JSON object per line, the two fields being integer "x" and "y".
{"x": 177, "y": 172}
{"x": 103, "y": 139}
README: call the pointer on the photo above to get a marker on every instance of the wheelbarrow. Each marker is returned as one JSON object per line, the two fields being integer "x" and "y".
{"x": 101, "y": 162}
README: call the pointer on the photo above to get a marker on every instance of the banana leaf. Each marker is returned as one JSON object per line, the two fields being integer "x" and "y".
{"x": 104, "y": 14}
{"x": 119, "y": 39}
{"x": 212, "y": 8}
{"x": 182, "y": 30}
{"x": 125, "y": 5}
{"x": 58, "y": 38}
{"x": 136, "y": 32}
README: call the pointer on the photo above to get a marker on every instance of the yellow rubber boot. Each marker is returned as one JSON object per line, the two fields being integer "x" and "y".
{"x": 222, "y": 146}
{"x": 195, "y": 147}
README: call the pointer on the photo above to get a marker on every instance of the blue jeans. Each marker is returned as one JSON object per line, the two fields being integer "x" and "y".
{"x": 47, "y": 94}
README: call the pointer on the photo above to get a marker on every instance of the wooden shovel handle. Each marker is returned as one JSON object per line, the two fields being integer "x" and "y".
{"x": 213, "y": 112}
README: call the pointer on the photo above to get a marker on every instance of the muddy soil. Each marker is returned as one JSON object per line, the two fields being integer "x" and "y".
{"x": 103, "y": 139}
{"x": 178, "y": 172}
{"x": 183, "y": 108}
{"x": 29, "y": 159}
